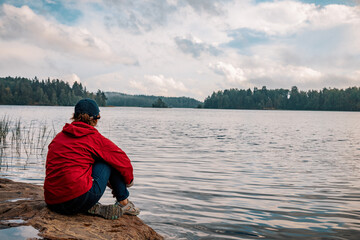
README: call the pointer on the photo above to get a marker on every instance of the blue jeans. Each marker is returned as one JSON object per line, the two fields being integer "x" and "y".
{"x": 102, "y": 173}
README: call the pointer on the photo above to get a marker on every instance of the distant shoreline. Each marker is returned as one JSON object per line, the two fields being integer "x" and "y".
{"x": 55, "y": 92}
{"x": 225, "y": 109}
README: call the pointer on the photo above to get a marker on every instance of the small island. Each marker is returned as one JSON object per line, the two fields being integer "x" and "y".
{"x": 159, "y": 104}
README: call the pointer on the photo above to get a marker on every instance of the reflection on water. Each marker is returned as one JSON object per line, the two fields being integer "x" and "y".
{"x": 12, "y": 221}
{"x": 224, "y": 174}
{"x": 18, "y": 199}
{"x": 19, "y": 233}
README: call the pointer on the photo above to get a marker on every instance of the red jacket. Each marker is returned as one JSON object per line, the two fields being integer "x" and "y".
{"x": 70, "y": 158}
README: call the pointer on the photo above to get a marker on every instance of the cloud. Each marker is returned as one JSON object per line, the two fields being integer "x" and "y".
{"x": 244, "y": 38}
{"x": 266, "y": 72}
{"x": 139, "y": 86}
{"x": 71, "y": 79}
{"x": 195, "y": 47}
{"x": 23, "y": 24}
{"x": 272, "y": 18}
{"x": 281, "y": 18}
{"x": 109, "y": 81}
{"x": 211, "y": 7}
{"x": 307, "y": 47}
{"x": 232, "y": 74}
{"x": 138, "y": 16}
{"x": 159, "y": 85}
{"x": 332, "y": 16}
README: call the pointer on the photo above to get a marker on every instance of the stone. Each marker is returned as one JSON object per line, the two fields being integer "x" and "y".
{"x": 22, "y": 204}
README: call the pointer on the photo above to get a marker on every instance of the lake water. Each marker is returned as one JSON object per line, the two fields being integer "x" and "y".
{"x": 225, "y": 174}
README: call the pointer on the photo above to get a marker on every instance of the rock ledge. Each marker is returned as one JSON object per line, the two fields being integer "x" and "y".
{"x": 24, "y": 201}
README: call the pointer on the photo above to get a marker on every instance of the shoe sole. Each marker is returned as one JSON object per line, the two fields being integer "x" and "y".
{"x": 111, "y": 212}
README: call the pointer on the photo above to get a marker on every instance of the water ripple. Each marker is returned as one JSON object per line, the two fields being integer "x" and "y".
{"x": 216, "y": 174}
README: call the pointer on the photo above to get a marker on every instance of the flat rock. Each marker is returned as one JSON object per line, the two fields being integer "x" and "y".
{"x": 24, "y": 201}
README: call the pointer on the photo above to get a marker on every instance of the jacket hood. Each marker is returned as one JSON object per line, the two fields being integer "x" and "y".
{"x": 78, "y": 129}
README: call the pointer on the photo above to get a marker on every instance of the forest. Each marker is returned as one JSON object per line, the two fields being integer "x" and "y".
{"x": 24, "y": 91}
{"x": 122, "y": 99}
{"x": 331, "y": 99}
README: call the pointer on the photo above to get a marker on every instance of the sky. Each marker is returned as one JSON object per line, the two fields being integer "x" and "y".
{"x": 183, "y": 47}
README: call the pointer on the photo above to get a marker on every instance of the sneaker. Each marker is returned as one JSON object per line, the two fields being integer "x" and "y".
{"x": 106, "y": 211}
{"x": 129, "y": 208}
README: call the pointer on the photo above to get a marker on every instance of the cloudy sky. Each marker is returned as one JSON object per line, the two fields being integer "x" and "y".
{"x": 183, "y": 47}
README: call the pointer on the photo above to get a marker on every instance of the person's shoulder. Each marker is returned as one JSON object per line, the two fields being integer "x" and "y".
{"x": 99, "y": 137}
{"x": 106, "y": 142}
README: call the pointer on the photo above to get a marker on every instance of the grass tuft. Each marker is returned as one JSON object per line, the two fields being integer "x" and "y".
{"x": 28, "y": 140}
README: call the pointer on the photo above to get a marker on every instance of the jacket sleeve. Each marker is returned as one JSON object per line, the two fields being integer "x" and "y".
{"x": 115, "y": 157}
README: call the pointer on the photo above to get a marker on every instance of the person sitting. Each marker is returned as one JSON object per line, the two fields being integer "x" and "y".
{"x": 80, "y": 164}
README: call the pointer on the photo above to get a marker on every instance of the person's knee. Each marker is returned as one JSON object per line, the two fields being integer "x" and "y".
{"x": 101, "y": 170}
{"x": 100, "y": 176}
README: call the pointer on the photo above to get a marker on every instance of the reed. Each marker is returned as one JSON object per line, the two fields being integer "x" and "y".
{"x": 16, "y": 137}
{"x": 4, "y": 128}
{"x": 29, "y": 139}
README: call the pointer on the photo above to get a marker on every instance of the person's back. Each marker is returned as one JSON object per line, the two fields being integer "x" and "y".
{"x": 69, "y": 163}
{"x": 81, "y": 162}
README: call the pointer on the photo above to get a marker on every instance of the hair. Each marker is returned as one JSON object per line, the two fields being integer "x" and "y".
{"x": 85, "y": 118}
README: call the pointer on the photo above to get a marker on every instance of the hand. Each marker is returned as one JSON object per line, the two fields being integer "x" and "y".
{"x": 130, "y": 184}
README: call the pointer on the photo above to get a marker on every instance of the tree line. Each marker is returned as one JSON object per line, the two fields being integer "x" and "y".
{"x": 332, "y": 99}
{"x": 121, "y": 99}
{"x": 24, "y": 91}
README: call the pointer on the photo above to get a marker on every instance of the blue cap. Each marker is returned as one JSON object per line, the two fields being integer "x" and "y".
{"x": 88, "y": 106}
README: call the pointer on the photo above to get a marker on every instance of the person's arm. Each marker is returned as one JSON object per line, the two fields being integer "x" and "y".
{"x": 116, "y": 158}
